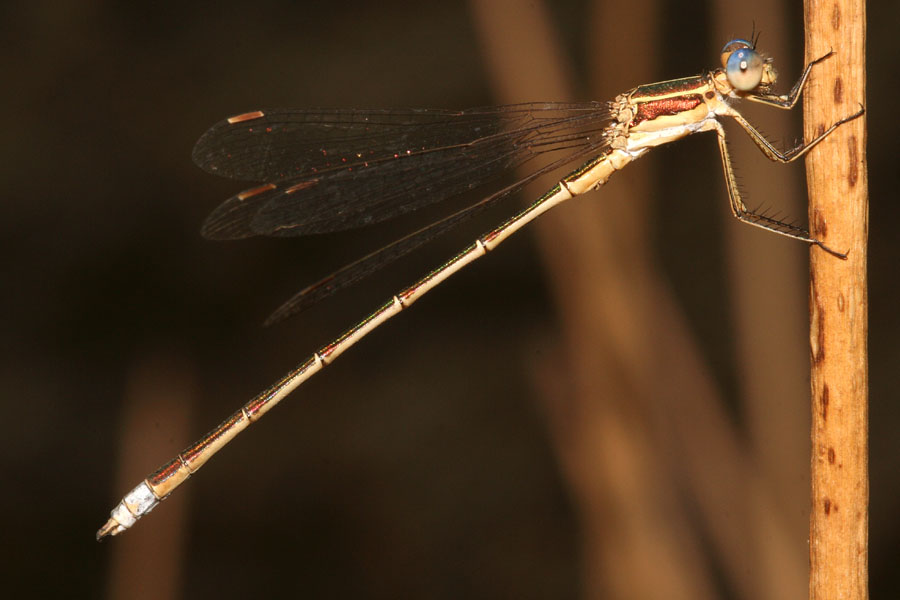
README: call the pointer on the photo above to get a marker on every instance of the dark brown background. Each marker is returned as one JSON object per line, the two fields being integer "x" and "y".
{"x": 421, "y": 463}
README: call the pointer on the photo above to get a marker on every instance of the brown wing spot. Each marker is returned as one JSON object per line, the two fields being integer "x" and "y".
{"x": 256, "y": 114}
{"x": 256, "y": 191}
{"x": 301, "y": 186}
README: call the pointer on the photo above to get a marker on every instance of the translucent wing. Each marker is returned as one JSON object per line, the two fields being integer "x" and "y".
{"x": 364, "y": 266}
{"x": 328, "y": 170}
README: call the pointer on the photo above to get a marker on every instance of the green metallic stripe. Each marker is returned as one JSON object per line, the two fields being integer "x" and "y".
{"x": 673, "y": 87}
{"x": 580, "y": 171}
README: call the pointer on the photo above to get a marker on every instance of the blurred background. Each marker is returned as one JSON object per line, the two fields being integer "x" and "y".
{"x": 614, "y": 404}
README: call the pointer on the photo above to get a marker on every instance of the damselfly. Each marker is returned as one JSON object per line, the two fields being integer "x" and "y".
{"x": 328, "y": 170}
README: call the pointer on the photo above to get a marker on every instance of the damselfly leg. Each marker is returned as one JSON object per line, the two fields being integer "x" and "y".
{"x": 739, "y": 209}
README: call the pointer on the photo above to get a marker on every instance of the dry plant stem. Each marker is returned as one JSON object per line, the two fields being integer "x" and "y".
{"x": 151, "y": 562}
{"x": 838, "y": 214}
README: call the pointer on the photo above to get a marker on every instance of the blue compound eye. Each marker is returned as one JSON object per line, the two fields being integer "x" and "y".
{"x": 730, "y": 47}
{"x": 744, "y": 69}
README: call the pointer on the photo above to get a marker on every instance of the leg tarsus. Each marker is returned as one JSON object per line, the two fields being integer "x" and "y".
{"x": 823, "y": 57}
{"x": 840, "y": 255}
{"x": 856, "y": 115}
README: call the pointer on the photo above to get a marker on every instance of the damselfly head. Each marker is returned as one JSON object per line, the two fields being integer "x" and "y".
{"x": 745, "y": 68}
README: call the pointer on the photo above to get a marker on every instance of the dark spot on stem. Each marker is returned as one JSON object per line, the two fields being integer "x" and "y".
{"x": 824, "y": 400}
{"x": 831, "y": 456}
{"x": 827, "y": 504}
{"x": 820, "y": 342}
{"x": 836, "y": 17}
{"x": 820, "y": 225}
{"x": 838, "y": 91}
{"x": 853, "y": 160}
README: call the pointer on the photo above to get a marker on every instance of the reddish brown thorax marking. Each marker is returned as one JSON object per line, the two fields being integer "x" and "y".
{"x": 647, "y": 111}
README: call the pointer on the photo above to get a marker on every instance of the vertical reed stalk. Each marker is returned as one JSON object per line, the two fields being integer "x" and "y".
{"x": 838, "y": 303}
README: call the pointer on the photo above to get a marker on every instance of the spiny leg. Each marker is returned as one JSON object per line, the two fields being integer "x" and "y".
{"x": 745, "y": 215}
{"x": 772, "y": 153}
{"x": 787, "y": 101}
